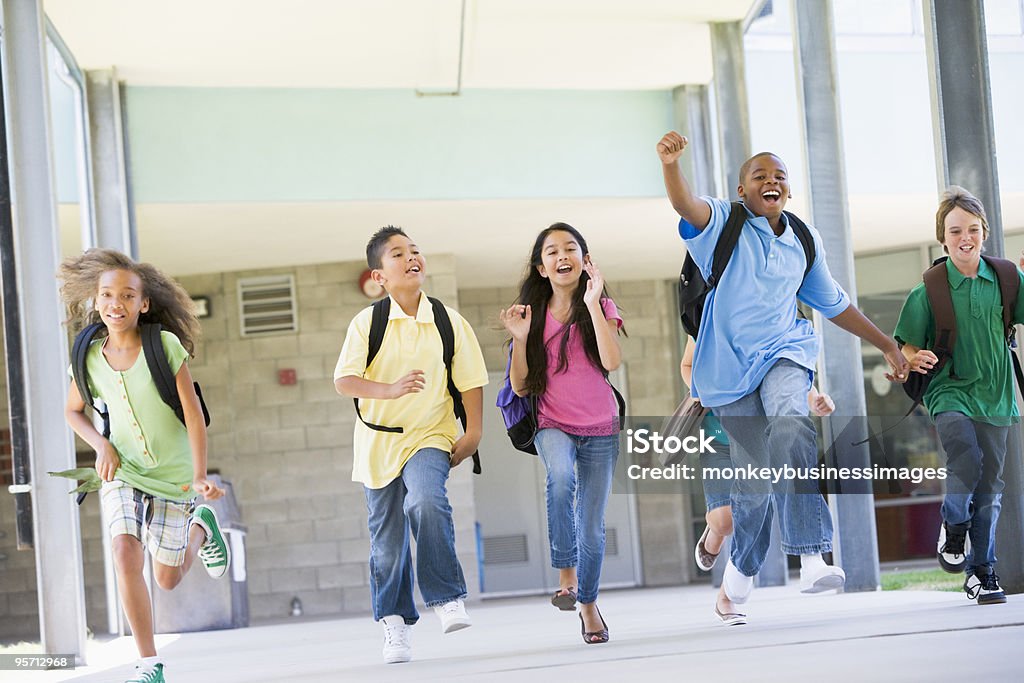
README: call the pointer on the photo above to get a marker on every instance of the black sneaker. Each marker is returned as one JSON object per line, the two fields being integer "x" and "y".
{"x": 986, "y": 588}
{"x": 952, "y": 548}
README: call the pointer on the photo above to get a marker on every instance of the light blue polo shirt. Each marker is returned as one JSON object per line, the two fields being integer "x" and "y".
{"x": 750, "y": 319}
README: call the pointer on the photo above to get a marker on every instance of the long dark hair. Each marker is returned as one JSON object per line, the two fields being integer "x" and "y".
{"x": 535, "y": 291}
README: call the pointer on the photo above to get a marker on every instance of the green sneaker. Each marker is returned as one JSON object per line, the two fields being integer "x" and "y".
{"x": 215, "y": 553}
{"x": 147, "y": 674}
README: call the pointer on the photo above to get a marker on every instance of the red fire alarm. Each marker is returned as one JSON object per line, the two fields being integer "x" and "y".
{"x": 286, "y": 376}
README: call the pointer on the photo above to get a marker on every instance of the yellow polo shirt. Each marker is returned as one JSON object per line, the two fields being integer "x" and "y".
{"x": 427, "y": 417}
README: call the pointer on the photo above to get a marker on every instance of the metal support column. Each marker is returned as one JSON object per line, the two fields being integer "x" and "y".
{"x": 691, "y": 116}
{"x": 36, "y": 241}
{"x": 855, "y": 543}
{"x": 115, "y": 228}
{"x": 965, "y": 154}
{"x": 730, "y": 88}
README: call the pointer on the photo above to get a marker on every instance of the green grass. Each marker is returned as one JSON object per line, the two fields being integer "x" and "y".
{"x": 926, "y": 580}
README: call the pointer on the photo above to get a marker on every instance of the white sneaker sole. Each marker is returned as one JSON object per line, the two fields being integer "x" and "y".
{"x": 397, "y": 657}
{"x": 456, "y": 625}
{"x": 829, "y": 582}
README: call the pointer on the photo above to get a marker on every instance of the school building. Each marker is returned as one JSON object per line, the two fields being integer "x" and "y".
{"x": 250, "y": 149}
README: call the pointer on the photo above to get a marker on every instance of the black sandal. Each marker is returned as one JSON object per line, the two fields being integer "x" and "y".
{"x": 565, "y": 601}
{"x": 594, "y": 637}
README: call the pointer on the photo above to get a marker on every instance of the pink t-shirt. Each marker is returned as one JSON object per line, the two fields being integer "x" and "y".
{"x": 578, "y": 400}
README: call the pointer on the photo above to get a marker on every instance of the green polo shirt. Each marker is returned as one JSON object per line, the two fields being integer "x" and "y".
{"x": 983, "y": 386}
{"x": 156, "y": 456}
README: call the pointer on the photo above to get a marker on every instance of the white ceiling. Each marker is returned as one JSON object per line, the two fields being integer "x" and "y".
{"x": 533, "y": 44}
{"x": 630, "y": 239}
{"x": 579, "y": 44}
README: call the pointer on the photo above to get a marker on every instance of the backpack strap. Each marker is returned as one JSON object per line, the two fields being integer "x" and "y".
{"x": 803, "y": 234}
{"x": 378, "y": 325}
{"x": 727, "y": 241}
{"x": 940, "y": 299}
{"x": 447, "y": 332}
{"x": 1009, "y": 288}
{"x": 1008, "y": 278}
{"x": 160, "y": 369}
{"x": 79, "y": 352}
{"x": 163, "y": 377}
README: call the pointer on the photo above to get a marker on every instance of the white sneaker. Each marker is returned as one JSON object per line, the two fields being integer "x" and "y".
{"x": 453, "y": 616}
{"x": 737, "y": 586}
{"x": 821, "y": 579}
{"x": 953, "y": 547}
{"x": 397, "y": 646}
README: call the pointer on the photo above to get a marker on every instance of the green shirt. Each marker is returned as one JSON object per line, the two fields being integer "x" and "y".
{"x": 982, "y": 387}
{"x": 156, "y": 457}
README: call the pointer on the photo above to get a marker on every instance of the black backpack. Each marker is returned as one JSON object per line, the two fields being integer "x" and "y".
{"x": 936, "y": 284}
{"x": 379, "y": 324}
{"x": 156, "y": 359}
{"x": 693, "y": 289}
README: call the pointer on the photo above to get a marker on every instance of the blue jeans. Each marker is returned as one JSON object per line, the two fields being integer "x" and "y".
{"x": 975, "y": 453}
{"x": 769, "y": 427}
{"x": 717, "y": 489}
{"x": 418, "y": 501}
{"x": 579, "y": 480}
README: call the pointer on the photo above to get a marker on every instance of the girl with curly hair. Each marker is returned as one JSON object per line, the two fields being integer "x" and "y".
{"x": 152, "y": 465}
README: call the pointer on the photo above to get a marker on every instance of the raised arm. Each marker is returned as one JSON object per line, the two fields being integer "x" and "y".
{"x": 691, "y": 207}
{"x": 516, "y": 320}
{"x": 605, "y": 330}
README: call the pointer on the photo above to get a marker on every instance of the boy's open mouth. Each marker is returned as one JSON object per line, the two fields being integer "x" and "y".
{"x": 413, "y": 269}
{"x": 771, "y": 196}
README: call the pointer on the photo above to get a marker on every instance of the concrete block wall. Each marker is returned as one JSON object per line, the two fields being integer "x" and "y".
{"x": 286, "y": 449}
{"x": 651, "y": 354}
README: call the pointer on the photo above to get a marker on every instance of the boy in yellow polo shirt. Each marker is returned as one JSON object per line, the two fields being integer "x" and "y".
{"x": 404, "y": 471}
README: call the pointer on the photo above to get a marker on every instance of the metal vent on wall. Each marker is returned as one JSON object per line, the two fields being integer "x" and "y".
{"x": 505, "y": 549}
{"x": 266, "y": 305}
{"x": 611, "y": 542}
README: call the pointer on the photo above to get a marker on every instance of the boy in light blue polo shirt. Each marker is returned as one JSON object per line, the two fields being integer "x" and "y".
{"x": 755, "y": 359}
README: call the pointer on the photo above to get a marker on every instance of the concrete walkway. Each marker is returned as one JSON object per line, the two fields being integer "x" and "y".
{"x": 657, "y": 634}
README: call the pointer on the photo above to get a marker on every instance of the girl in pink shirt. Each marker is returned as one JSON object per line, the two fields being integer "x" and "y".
{"x": 564, "y": 344}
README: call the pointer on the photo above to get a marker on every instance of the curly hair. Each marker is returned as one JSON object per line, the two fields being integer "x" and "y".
{"x": 169, "y": 303}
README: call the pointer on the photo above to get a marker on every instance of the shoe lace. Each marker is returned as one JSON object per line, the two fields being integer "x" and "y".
{"x": 145, "y": 675}
{"x": 396, "y": 635}
{"x": 955, "y": 540}
{"x": 210, "y": 552}
{"x": 990, "y": 582}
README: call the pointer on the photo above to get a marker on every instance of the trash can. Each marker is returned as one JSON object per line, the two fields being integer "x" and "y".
{"x": 199, "y": 602}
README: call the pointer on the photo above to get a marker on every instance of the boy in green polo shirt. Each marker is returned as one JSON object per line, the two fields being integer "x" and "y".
{"x": 971, "y": 399}
{"x": 404, "y": 471}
